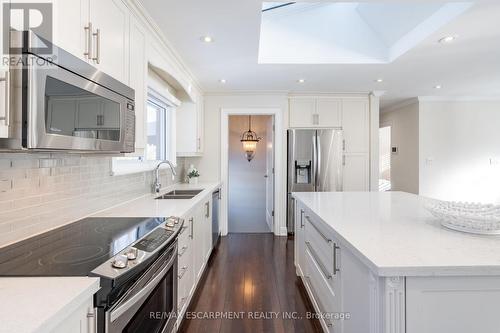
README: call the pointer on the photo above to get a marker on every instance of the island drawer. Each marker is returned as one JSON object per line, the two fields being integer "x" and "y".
{"x": 319, "y": 288}
{"x": 320, "y": 242}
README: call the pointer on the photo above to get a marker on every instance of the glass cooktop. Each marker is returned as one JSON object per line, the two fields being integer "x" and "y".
{"x": 75, "y": 249}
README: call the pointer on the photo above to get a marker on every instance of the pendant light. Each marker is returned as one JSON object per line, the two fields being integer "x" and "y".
{"x": 249, "y": 140}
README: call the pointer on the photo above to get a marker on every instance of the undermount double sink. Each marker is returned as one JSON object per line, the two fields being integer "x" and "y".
{"x": 180, "y": 194}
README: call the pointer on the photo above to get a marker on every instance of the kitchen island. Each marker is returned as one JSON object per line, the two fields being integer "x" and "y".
{"x": 379, "y": 262}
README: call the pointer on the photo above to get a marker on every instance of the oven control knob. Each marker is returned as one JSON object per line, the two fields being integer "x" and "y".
{"x": 132, "y": 253}
{"x": 120, "y": 261}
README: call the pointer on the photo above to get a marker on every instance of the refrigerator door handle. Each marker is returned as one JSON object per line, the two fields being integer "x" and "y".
{"x": 318, "y": 163}
{"x": 315, "y": 163}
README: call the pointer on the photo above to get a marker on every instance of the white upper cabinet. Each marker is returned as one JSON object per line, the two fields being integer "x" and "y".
{"x": 4, "y": 77}
{"x": 302, "y": 111}
{"x": 96, "y": 31}
{"x": 138, "y": 79}
{"x": 329, "y": 112}
{"x": 190, "y": 122}
{"x": 312, "y": 112}
{"x": 70, "y": 19}
{"x": 110, "y": 37}
{"x": 355, "y": 122}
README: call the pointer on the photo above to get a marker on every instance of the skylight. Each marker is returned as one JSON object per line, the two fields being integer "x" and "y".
{"x": 348, "y": 32}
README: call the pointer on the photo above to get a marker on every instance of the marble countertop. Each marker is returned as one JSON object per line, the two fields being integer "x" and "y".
{"x": 147, "y": 206}
{"x": 395, "y": 235}
{"x": 40, "y": 304}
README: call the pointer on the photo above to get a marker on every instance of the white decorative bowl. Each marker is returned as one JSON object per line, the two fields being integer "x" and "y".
{"x": 467, "y": 217}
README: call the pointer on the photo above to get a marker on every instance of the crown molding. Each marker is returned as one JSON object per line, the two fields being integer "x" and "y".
{"x": 458, "y": 98}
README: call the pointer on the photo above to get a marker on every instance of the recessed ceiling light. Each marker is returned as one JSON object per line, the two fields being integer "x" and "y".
{"x": 207, "y": 39}
{"x": 222, "y": 81}
{"x": 301, "y": 80}
{"x": 438, "y": 86}
{"x": 379, "y": 80}
{"x": 447, "y": 39}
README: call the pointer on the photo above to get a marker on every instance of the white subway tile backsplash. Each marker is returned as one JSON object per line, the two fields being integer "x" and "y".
{"x": 43, "y": 191}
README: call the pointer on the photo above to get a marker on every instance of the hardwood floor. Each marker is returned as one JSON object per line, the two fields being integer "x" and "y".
{"x": 252, "y": 277}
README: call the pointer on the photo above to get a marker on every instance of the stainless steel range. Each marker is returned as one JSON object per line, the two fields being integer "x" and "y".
{"x": 135, "y": 258}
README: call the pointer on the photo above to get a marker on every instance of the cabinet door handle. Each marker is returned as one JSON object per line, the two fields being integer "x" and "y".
{"x": 325, "y": 272}
{"x": 88, "y": 41}
{"x": 182, "y": 230}
{"x": 343, "y": 145}
{"x": 184, "y": 270}
{"x": 191, "y": 220}
{"x": 343, "y": 160}
{"x": 6, "y": 80}
{"x": 183, "y": 250}
{"x": 328, "y": 240}
{"x": 207, "y": 209}
{"x": 92, "y": 323}
{"x": 97, "y": 36}
{"x": 199, "y": 143}
{"x": 301, "y": 218}
{"x": 335, "y": 269}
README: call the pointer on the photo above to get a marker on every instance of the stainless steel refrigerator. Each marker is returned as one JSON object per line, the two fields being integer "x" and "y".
{"x": 315, "y": 160}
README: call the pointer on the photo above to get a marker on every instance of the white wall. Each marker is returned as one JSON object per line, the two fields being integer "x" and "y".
{"x": 247, "y": 185}
{"x": 457, "y": 141}
{"x": 404, "y": 135}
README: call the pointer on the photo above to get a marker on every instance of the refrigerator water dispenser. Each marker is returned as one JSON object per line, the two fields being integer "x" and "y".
{"x": 303, "y": 172}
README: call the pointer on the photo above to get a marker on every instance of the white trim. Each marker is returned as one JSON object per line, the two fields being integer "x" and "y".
{"x": 279, "y": 167}
{"x": 458, "y": 98}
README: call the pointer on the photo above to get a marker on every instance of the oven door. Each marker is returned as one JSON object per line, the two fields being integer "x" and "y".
{"x": 151, "y": 303}
{"x": 66, "y": 111}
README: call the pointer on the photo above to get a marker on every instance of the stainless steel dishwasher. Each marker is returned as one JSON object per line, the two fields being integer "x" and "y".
{"x": 215, "y": 217}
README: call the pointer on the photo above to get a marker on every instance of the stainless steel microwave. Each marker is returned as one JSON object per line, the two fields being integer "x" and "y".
{"x": 58, "y": 102}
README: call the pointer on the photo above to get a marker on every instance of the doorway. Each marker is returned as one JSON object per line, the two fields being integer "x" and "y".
{"x": 385, "y": 152}
{"x": 251, "y": 175}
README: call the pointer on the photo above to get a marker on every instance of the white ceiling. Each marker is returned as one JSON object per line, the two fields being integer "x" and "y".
{"x": 470, "y": 66}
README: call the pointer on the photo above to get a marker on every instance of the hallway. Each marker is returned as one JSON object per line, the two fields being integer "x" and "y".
{"x": 251, "y": 277}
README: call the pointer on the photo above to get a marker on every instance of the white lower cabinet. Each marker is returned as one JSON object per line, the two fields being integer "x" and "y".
{"x": 81, "y": 320}
{"x": 194, "y": 249}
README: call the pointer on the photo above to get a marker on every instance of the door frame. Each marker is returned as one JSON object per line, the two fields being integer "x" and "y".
{"x": 279, "y": 168}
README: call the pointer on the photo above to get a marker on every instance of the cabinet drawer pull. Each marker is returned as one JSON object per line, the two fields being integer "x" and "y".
{"x": 315, "y": 294}
{"x": 328, "y": 240}
{"x": 207, "y": 209}
{"x": 318, "y": 261}
{"x": 91, "y": 317}
{"x": 183, "y": 250}
{"x": 184, "y": 270}
{"x": 191, "y": 220}
{"x": 335, "y": 269}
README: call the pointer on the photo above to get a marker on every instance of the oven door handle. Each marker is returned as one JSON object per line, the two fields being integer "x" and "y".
{"x": 143, "y": 293}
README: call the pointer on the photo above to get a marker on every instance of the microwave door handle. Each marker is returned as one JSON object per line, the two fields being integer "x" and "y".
{"x": 6, "y": 80}
{"x": 145, "y": 291}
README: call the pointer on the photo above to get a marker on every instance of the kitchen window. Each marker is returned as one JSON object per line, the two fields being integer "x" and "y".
{"x": 160, "y": 137}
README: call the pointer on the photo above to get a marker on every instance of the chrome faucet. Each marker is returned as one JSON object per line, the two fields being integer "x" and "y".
{"x": 156, "y": 184}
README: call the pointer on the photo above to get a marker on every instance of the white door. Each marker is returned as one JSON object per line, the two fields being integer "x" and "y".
{"x": 355, "y": 122}
{"x": 270, "y": 174}
{"x": 355, "y": 173}
{"x": 110, "y": 19}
